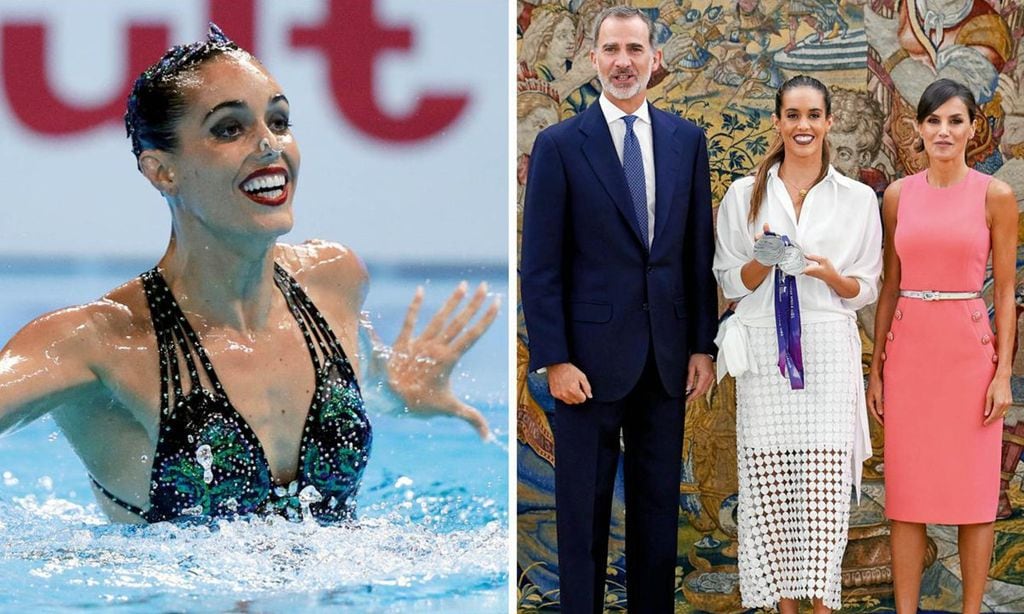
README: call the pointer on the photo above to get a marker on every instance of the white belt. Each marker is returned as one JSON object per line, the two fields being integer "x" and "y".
{"x": 932, "y": 295}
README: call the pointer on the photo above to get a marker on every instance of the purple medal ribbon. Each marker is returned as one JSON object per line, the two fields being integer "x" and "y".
{"x": 787, "y": 326}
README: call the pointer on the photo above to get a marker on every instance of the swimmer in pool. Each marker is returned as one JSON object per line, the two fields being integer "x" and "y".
{"x": 231, "y": 366}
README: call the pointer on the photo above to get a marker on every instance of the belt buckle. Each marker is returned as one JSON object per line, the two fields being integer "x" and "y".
{"x": 929, "y": 295}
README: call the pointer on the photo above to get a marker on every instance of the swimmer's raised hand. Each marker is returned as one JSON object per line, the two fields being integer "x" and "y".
{"x": 419, "y": 368}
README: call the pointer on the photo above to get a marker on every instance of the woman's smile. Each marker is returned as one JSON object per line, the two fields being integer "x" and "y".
{"x": 267, "y": 186}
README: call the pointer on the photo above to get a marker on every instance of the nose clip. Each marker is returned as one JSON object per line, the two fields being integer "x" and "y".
{"x": 268, "y": 151}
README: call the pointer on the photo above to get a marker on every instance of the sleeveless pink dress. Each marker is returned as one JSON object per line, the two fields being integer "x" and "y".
{"x": 941, "y": 464}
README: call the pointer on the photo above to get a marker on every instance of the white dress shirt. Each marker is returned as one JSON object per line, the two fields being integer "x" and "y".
{"x": 642, "y": 128}
{"x": 840, "y": 221}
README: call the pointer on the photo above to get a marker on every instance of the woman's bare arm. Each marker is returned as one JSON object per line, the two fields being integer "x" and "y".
{"x": 45, "y": 365}
{"x": 413, "y": 373}
{"x": 1001, "y": 214}
{"x": 887, "y": 296}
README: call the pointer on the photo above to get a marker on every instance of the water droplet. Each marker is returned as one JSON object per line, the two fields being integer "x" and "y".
{"x": 309, "y": 495}
{"x": 204, "y": 456}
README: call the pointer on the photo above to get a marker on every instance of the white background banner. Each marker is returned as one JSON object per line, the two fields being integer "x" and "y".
{"x": 399, "y": 107}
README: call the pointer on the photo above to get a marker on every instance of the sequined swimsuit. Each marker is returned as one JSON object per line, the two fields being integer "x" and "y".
{"x": 208, "y": 460}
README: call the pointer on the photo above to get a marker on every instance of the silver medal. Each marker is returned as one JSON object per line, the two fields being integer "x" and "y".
{"x": 768, "y": 250}
{"x": 792, "y": 262}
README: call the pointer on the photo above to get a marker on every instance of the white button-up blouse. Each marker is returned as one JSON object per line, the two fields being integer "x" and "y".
{"x": 840, "y": 221}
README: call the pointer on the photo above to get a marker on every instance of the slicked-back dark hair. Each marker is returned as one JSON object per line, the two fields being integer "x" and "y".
{"x": 939, "y": 92}
{"x": 157, "y": 100}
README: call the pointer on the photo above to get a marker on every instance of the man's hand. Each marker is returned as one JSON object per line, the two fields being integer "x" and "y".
{"x": 568, "y": 384}
{"x": 699, "y": 376}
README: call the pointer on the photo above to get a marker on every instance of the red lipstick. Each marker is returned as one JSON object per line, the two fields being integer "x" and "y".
{"x": 267, "y": 186}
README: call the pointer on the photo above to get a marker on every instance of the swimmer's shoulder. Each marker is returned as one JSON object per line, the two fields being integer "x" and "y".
{"x": 123, "y": 311}
{"x": 327, "y": 270}
{"x": 120, "y": 314}
{"x": 77, "y": 340}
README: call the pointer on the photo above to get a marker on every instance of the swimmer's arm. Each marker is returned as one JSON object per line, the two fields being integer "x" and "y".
{"x": 373, "y": 361}
{"x": 45, "y": 366}
{"x": 337, "y": 281}
{"x": 412, "y": 376}
{"x": 336, "y": 277}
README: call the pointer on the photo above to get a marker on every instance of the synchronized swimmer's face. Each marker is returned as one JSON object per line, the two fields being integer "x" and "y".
{"x": 237, "y": 162}
{"x": 804, "y": 123}
{"x": 624, "y": 59}
{"x": 946, "y": 131}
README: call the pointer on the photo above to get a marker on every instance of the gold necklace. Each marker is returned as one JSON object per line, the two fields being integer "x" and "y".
{"x": 802, "y": 192}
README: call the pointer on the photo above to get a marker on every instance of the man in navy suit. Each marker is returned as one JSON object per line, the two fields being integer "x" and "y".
{"x": 621, "y": 309}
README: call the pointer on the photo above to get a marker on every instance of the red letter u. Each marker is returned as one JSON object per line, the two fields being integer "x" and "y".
{"x": 32, "y": 99}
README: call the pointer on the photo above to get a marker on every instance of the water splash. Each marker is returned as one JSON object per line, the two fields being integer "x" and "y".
{"x": 387, "y": 559}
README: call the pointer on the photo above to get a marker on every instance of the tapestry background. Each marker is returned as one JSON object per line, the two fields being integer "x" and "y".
{"x": 723, "y": 61}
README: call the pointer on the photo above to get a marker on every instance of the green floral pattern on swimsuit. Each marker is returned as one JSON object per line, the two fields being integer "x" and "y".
{"x": 210, "y": 463}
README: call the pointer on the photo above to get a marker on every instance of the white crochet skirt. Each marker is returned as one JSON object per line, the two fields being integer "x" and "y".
{"x": 795, "y": 482}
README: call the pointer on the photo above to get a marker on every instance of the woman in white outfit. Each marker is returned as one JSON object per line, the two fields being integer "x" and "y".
{"x": 799, "y": 246}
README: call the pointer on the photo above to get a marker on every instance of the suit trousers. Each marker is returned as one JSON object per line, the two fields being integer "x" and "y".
{"x": 587, "y": 443}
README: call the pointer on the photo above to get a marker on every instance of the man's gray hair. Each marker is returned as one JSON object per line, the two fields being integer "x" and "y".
{"x": 624, "y": 12}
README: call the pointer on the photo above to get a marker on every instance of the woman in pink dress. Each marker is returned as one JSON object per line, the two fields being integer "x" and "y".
{"x": 939, "y": 376}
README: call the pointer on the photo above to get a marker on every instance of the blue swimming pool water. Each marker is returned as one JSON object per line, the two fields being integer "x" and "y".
{"x": 433, "y": 507}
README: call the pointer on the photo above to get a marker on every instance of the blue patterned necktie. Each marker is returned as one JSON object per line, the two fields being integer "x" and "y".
{"x": 633, "y": 167}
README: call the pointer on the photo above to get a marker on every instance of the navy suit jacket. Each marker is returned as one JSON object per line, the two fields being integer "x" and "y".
{"x": 592, "y": 293}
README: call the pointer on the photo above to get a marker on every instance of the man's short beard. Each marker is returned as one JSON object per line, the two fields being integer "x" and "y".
{"x": 619, "y": 93}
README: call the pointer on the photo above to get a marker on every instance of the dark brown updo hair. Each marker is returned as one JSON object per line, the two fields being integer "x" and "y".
{"x": 157, "y": 100}
{"x": 938, "y": 94}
